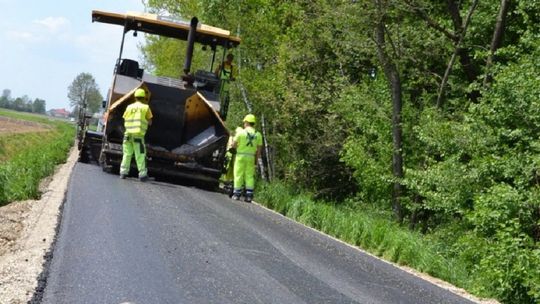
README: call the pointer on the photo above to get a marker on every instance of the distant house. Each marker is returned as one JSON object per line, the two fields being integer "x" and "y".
{"x": 62, "y": 113}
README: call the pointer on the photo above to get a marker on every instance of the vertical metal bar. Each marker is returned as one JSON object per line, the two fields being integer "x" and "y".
{"x": 214, "y": 49}
{"x": 121, "y": 47}
{"x": 191, "y": 43}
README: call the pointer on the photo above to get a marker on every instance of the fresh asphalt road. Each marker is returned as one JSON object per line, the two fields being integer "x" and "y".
{"x": 123, "y": 241}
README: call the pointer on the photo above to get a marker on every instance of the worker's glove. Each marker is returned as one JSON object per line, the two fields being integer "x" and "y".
{"x": 232, "y": 150}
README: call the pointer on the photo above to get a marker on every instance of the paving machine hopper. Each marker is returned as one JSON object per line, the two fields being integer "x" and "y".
{"x": 187, "y": 137}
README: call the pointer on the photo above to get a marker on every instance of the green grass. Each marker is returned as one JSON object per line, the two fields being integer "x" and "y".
{"x": 30, "y": 116}
{"x": 27, "y": 158}
{"x": 367, "y": 229}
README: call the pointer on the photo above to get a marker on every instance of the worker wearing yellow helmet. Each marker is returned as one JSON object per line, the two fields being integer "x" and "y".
{"x": 137, "y": 118}
{"x": 248, "y": 144}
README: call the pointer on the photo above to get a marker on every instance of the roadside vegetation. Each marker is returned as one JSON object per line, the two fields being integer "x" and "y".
{"x": 367, "y": 228}
{"x": 27, "y": 158}
{"x": 418, "y": 120}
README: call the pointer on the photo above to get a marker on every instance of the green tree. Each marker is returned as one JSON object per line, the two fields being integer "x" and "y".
{"x": 38, "y": 106}
{"x": 5, "y": 99}
{"x": 21, "y": 104}
{"x": 84, "y": 92}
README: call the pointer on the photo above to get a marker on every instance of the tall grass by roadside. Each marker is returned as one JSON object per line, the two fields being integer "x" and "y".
{"x": 366, "y": 229}
{"x": 28, "y": 158}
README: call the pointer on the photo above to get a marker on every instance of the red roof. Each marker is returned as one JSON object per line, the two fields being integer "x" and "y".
{"x": 60, "y": 112}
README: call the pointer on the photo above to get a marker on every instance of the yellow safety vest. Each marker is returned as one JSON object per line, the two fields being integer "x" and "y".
{"x": 136, "y": 118}
{"x": 227, "y": 71}
{"x": 247, "y": 141}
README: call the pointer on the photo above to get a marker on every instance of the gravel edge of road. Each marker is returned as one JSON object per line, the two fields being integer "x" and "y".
{"x": 426, "y": 277}
{"x": 23, "y": 269}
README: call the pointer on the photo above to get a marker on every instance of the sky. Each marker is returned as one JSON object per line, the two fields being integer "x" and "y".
{"x": 44, "y": 45}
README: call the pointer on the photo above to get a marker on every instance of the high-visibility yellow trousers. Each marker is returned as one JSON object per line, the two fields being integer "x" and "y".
{"x": 133, "y": 145}
{"x": 244, "y": 172}
{"x": 228, "y": 176}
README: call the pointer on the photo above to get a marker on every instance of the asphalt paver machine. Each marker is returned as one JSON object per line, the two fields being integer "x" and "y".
{"x": 188, "y": 137}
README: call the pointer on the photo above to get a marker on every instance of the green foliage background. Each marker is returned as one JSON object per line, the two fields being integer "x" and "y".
{"x": 471, "y": 162}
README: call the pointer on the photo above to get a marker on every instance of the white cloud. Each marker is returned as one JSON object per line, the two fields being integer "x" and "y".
{"x": 21, "y": 36}
{"x": 102, "y": 43}
{"x": 53, "y": 24}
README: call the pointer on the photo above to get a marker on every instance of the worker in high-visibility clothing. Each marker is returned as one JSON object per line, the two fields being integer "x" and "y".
{"x": 226, "y": 70}
{"x": 227, "y": 178}
{"x": 137, "y": 118}
{"x": 247, "y": 143}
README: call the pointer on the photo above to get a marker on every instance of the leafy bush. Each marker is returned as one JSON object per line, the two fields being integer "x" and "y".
{"x": 510, "y": 271}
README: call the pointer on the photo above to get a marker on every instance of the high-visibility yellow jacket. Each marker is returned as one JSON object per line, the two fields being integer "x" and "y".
{"x": 247, "y": 141}
{"x": 227, "y": 71}
{"x": 136, "y": 117}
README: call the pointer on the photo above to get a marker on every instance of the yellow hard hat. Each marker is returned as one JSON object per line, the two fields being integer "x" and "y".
{"x": 140, "y": 93}
{"x": 250, "y": 118}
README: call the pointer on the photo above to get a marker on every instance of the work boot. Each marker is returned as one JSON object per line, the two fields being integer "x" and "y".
{"x": 249, "y": 196}
{"x": 122, "y": 176}
{"x": 228, "y": 189}
{"x": 236, "y": 195}
{"x": 143, "y": 178}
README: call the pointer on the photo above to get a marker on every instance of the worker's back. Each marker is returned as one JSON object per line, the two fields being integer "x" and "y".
{"x": 136, "y": 118}
{"x": 248, "y": 140}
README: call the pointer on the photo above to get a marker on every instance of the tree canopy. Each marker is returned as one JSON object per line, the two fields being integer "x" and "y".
{"x": 83, "y": 92}
{"x": 24, "y": 103}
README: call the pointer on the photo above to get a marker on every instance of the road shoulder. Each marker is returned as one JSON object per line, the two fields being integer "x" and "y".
{"x": 27, "y": 233}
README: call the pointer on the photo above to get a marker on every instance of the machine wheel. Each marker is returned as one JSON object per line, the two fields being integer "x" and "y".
{"x": 106, "y": 165}
{"x": 83, "y": 155}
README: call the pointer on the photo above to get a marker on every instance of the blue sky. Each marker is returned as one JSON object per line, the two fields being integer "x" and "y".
{"x": 44, "y": 45}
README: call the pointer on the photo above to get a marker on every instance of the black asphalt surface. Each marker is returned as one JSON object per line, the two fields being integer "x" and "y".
{"x": 123, "y": 241}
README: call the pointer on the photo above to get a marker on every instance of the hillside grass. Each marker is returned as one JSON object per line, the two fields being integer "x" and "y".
{"x": 30, "y": 117}
{"x": 27, "y": 158}
{"x": 368, "y": 229}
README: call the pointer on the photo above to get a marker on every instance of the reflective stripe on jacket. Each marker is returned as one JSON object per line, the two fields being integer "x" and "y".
{"x": 136, "y": 118}
{"x": 247, "y": 141}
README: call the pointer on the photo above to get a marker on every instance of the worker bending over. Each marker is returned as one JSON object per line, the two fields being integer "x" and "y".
{"x": 137, "y": 118}
{"x": 228, "y": 177}
{"x": 247, "y": 143}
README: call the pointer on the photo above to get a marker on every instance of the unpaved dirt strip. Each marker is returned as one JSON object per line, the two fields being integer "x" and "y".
{"x": 11, "y": 125}
{"x": 27, "y": 232}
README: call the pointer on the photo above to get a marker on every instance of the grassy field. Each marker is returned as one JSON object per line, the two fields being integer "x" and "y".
{"x": 26, "y": 158}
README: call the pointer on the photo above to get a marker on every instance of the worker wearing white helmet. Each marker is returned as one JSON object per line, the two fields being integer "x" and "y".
{"x": 137, "y": 118}
{"x": 248, "y": 144}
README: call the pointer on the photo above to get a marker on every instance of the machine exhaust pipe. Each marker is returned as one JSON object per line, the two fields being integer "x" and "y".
{"x": 191, "y": 43}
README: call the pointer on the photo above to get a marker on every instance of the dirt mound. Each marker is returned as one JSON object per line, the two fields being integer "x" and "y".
{"x": 11, "y": 223}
